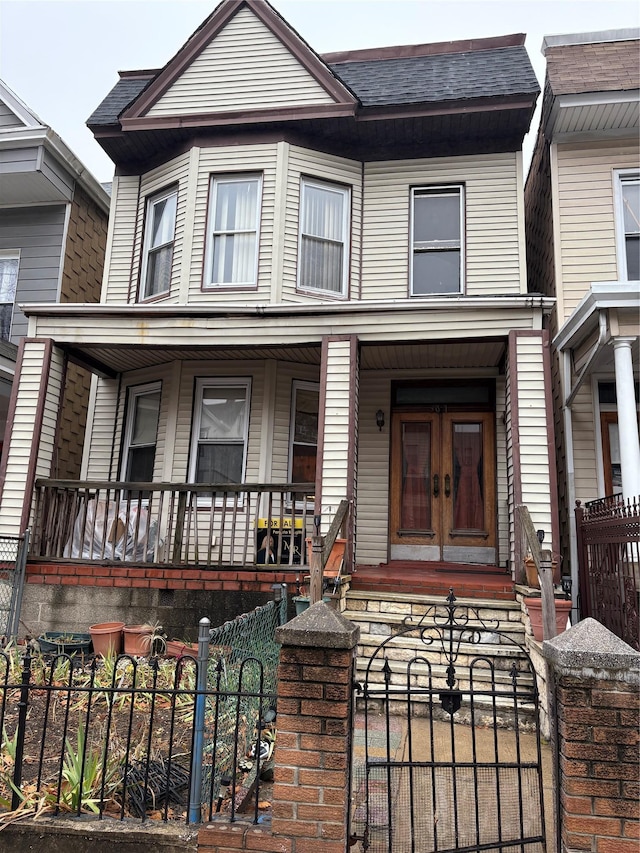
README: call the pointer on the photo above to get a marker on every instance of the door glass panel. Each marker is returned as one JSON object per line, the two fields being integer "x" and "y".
{"x": 468, "y": 498}
{"x": 415, "y": 511}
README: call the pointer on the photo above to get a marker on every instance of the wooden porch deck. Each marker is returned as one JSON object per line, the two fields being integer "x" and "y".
{"x": 435, "y": 578}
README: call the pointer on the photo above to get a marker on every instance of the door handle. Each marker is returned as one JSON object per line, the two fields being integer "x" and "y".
{"x": 436, "y": 485}
{"x": 447, "y": 485}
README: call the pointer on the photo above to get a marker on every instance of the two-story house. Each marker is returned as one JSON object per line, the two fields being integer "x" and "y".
{"x": 53, "y": 233}
{"x": 583, "y": 246}
{"x": 315, "y": 291}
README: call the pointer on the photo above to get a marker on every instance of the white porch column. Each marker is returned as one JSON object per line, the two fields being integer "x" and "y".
{"x": 627, "y": 418}
{"x": 335, "y": 474}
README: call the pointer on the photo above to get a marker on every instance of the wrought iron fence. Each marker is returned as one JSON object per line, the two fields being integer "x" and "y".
{"x": 212, "y": 525}
{"x": 608, "y": 536}
{"x": 128, "y": 737}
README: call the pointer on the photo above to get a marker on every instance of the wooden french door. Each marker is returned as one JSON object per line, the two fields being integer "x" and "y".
{"x": 443, "y": 487}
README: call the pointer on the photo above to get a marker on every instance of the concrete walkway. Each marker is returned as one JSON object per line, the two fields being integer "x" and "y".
{"x": 428, "y": 814}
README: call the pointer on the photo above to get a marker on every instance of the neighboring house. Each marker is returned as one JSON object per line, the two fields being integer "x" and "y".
{"x": 53, "y": 231}
{"x": 583, "y": 246}
{"x": 315, "y": 276}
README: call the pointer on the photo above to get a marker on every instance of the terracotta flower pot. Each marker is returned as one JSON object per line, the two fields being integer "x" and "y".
{"x": 175, "y": 648}
{"x": 534, "y": 609}
{"x": 137, "y": 639}
{"x": 107, "y": 638}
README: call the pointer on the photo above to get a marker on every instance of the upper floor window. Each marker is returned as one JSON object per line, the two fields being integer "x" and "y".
{"x": 436, "y": 240}
{"x": 628, "y": 191}
{"x": 220, "y": 431}
{"x": 234, "y": 222}
{"x": 8, "y": 283}
{"x": 158, "y": 243}
{"x": 324, "y": 231}
{"x": 141, "y": 430}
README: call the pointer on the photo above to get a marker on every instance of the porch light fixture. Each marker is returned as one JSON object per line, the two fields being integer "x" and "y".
{"x": 380, "y": 419}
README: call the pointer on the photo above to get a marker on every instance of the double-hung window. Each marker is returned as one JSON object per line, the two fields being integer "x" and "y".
{"x": 220, "y": 431}
{"x": 141, "y": 431}
{"x": 324, "y": 231}
{"x": 437, "y": 240}
{"x": 628, "y": 193}
{"x": 160, "y": 233}
{"x": 8, "y": 282}
{"x": 304, "y": 432}
{"x": 234, "y": 223}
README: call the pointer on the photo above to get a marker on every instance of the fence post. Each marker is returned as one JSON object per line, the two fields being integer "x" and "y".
{"x": 597, "y": 681}
{"x": 195, "y": 793}
{"x": 18, "y": 587}
{"x": 23, "y": 705}
{"x": 315, "y": 586}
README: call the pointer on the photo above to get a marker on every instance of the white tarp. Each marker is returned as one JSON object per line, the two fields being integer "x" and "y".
{"x": 122, "y": 530}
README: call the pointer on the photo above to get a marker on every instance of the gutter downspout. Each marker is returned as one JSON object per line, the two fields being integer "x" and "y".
{"x": 568, "y": 440}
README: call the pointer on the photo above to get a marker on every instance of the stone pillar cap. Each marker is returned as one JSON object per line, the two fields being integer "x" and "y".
{"x": 588, "y": 645}
{"x": 321, "y": 627}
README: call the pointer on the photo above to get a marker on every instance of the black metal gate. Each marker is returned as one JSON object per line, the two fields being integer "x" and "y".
{"x": 450, "y": 756}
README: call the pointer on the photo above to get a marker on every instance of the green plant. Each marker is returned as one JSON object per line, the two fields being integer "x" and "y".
{"x": 155, "y": 641}
{"x": 82, "y": 772}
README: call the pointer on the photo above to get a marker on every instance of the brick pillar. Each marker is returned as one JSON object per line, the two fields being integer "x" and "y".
{"x": 597, "y": 681}
{"x": 311, "y": 792}
{"x": 310, "y": 803}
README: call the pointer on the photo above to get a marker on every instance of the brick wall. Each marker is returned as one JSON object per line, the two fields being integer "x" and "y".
{"x": 599, "y": 728}
{"x": 311, "y": 787}
{"x": 597, "y": 680}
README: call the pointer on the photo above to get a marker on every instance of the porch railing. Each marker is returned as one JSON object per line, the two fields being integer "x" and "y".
{"x": 212, "y": 525}
{"x": 608, "y": 536}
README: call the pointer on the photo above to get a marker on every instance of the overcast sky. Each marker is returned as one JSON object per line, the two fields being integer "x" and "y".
{"x": 61, "y": 57}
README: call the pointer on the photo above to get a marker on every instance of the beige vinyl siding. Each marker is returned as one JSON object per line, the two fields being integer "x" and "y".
{"x": 373, "y": 469}
{"x": 21, "y": 449}
{"x": 227, "y": 160}
{"x": 324, "y": 167}
{"x": 532, "y": 427}
{"x": 340, "y": 398}
{"x": 586, "y": 213}
{"x": 585, "y": 452}
{"x": 120, "y": 240}
{"x": 394, "y": 327}
{"x": 107, "y": 418}
{"x": 493, "y": 222}
{"x": 244, "y": 67}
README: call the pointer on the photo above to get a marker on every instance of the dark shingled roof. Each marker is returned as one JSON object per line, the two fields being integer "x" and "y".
{"x": 123, "y": 93}
{"x": 427, "y": 79}
{"x": 441, "y": 77}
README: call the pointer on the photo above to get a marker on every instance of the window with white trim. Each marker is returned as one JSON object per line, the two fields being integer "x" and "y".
{"x": 437, "y": 216}
{"x": 234, "y": 223}
{"x": 9, "y": 262}
{"x": 628, "y": 225}
{"x": 159, "y": 239}
{"x": 324, "y": 233}
{"x": 303, "y": 439}
{"x": 141, "y": 433}
{"x": 220, "y": 431}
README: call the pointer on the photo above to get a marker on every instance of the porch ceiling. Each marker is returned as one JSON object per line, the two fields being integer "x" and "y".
{"x": 452, "y": 355}
{"x": 456, "y": 354}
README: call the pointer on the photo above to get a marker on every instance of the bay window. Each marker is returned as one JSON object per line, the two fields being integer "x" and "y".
{"x": 158, "y": 244}
{"x": 628, "y": 215}
{"x": 303, "y": 449}
{"x": 323, "y": 239}
{"x": 234, "y": 221}
{"x": 141, "y": 430}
